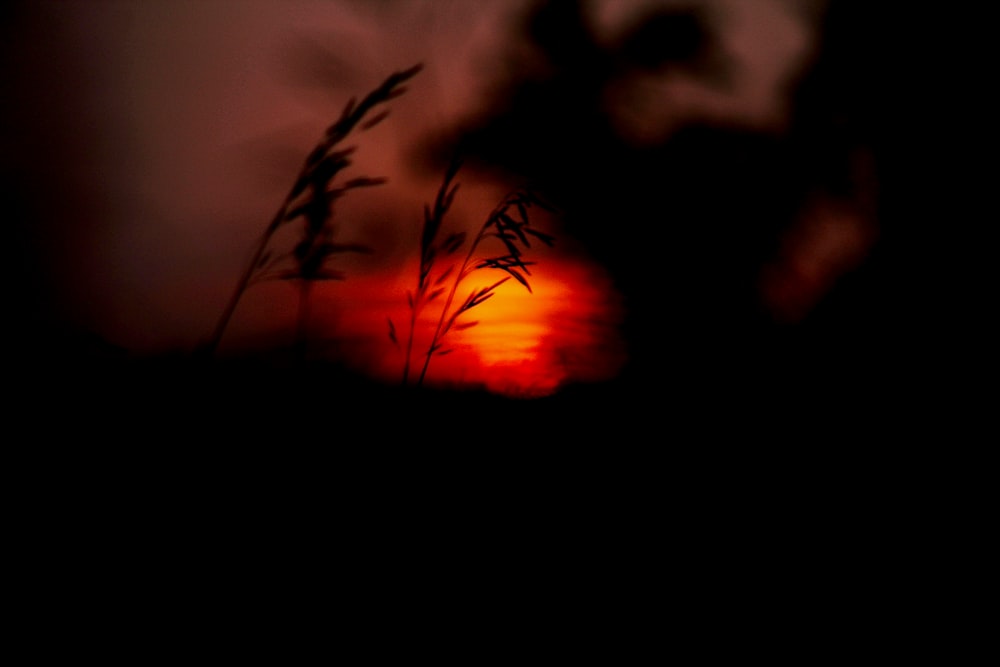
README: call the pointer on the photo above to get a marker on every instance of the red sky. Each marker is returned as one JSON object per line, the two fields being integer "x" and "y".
{"x": 177, "y": 126}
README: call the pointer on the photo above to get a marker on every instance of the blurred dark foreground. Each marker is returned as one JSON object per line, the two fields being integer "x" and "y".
{"x": 167, "y": 488}
{"x": 782, "y": 400}
{"x": 162, "y": 484}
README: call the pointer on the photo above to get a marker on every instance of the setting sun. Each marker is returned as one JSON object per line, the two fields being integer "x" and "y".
{"x": 523, "y": 344}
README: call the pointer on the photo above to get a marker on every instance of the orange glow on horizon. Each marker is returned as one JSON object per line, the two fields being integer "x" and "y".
{"x": 523, "y": 345}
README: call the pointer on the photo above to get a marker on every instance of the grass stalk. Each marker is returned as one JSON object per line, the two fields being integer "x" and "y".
{"x": 508, "y": 223}
{"x": 311, "y": 197}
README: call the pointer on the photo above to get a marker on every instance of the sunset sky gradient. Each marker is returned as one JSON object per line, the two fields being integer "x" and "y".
{"x": 152, "y": 142}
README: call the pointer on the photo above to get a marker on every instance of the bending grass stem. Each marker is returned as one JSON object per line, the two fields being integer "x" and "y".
{"x": 462, "y": 273}
{"x": 244, "y": 281}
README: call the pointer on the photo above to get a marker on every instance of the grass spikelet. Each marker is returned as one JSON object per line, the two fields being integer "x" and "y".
{"x": 311, "y": 198}
{"x": 508, "y": 223}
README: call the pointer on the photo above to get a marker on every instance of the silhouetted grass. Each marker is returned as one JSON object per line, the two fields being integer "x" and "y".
{"x": 311, "y": 198}
{"x": 508, "y": 223}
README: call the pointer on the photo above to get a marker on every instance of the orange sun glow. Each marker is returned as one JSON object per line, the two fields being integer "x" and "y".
{"x": 522, "y": 345}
